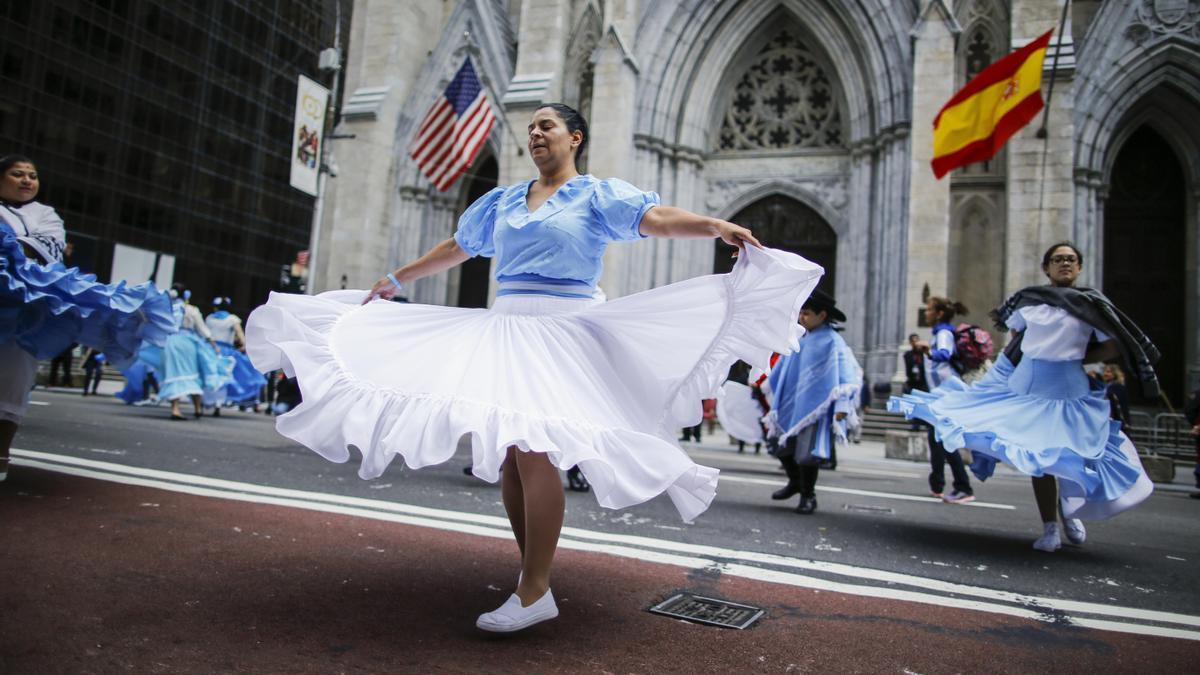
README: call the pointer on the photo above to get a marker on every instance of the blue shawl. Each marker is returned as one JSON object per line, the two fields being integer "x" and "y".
{"x": 806, "y": 383}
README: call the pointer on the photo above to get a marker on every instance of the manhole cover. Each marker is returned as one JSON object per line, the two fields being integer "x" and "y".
{"x": 867, "y": 509}
{"x": 709, "y": 611}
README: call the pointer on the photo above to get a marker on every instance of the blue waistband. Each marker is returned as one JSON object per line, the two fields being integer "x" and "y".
{"x": 1060, "y": 380}
{"x": 532, "y": 284}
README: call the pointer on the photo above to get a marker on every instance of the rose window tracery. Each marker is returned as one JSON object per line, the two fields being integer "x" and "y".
{"x": 784, "y": 99}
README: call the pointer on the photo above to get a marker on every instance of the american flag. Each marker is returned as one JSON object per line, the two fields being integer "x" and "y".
{"x": 454, "y": 130}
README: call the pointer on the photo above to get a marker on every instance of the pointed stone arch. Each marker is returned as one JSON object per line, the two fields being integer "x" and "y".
{"x": 975, "y": 264}
{"x": 1139, "y": 68}
{"x": 481, "y": 30}
{"x": 779, "y": 93}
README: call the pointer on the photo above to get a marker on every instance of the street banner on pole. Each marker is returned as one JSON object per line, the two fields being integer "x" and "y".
{"x": 307, "y": 132}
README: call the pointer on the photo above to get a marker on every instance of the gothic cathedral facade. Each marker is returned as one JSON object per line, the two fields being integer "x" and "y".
{"x": 811, "y": 122}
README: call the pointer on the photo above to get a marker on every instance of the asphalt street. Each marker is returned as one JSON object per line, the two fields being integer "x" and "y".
{"x": 876, "y": 534}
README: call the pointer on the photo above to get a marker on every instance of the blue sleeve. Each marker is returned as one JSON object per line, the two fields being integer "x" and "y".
{"x": 943, "y": 346}
{"x": 477, "y": 225}
{"x": 619, "y": 207}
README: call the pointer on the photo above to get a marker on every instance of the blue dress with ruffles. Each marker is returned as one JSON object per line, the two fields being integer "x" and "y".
{"x": 1042, "y": 417}
{"x": 46, "y": 307}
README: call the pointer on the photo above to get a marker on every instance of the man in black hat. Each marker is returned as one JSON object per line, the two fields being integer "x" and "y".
{"x": 814, "y": 391}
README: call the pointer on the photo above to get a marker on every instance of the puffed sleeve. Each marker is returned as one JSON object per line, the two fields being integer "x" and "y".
{"x": 46, "y": 233}
{"x": 477, "y": 225}
{"x": 619, "y": 207}
{"x": 1016, "y": 321}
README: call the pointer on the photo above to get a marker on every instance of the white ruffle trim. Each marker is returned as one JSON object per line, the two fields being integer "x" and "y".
{"x": 625, "y": 466}
{"x": 842, "y": 391}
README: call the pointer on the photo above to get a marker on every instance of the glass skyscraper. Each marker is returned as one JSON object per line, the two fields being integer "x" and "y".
{"x": 166, "y": 126}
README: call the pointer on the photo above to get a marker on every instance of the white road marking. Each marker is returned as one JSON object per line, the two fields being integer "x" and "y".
{"x": 670, "y": 552}
{"x": 725, "y": 475}
{"x": 38, "y": 403}
{"x": 713, "y": 457}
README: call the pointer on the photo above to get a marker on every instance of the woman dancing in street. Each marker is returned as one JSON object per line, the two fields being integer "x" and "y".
{"x": 549, "y": 377}
{"x": 45, "y": 306}
{"x": 1037, "y": 409}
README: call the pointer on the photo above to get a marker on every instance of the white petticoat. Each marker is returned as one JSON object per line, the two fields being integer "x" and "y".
{"x": 605, "y": 385}
{"x": 739, "y": 413}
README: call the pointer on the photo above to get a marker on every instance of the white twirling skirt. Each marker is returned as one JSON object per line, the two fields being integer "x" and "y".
{"x": 605, "y": 386}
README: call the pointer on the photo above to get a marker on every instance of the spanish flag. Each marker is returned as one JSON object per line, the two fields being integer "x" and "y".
{"x": 977, "y": 121}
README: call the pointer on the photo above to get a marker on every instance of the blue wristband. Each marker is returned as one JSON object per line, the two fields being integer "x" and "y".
{"x": 395, "y": 282}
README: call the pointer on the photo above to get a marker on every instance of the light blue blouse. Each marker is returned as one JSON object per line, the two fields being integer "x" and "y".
{"x": 564, "y": 238}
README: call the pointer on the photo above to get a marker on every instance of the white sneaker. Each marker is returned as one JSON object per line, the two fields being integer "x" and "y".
{"x": 511, "y": 616}
{"x": 1050, "y": 541}
{"x": 1073, "y": 528}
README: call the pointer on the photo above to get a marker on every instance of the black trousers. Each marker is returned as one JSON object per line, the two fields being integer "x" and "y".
{"x": 938, "y": 458}
{"x": 91, "y": 376}
{"x": 61, "y": 363}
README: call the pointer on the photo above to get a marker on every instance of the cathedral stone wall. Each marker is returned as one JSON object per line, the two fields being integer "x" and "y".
{"x": 720, "y": 104}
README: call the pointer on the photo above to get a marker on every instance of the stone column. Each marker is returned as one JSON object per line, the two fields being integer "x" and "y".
{"x": 929, "y": 198}
{"x": 611, "y": 152}
{"x": 1041, "y": 178}
{"x": 388, "y": 47}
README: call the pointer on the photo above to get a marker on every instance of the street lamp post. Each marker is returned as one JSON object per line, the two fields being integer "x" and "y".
{"x": 330, "y": 60}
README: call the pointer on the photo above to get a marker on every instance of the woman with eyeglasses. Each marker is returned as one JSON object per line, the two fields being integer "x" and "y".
{"x": 1039, "y": 412}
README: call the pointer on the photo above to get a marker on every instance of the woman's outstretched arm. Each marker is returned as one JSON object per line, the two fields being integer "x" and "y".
{"x": 677, "y": 223}
{"x": 441, "y": 257}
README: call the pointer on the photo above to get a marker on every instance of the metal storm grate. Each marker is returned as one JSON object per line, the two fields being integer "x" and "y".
{"x": 709, "y": 611}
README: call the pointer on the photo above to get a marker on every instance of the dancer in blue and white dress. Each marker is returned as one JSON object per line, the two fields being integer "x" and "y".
{"x": 45, "y": 306}
{"x": 549, "y": 377}
{"x": 940, "y": 369}
{"x": 245, "y": 383}
{"x": 191, "y": 360}
{"x": 813, "y": 394}
{"x": 1039, "y": 412}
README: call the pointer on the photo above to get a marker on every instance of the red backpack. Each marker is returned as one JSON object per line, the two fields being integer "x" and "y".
{"x": 972, "y": 346}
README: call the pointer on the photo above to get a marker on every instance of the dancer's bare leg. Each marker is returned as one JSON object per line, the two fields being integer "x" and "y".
{"x": 8, "y": 430}
{"x": 1045, "y": 491}
{"x": 544, "y": 505}
{"x": 175, "y": 412}
{"x": 514, "y": 498}
{"x": 197, "y": 404}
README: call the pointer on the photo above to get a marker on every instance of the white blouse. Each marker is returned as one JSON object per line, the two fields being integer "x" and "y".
{"x": 37, "y": 226}
{"x": 1052, "y": 333}
{"x": 194, "y": 321}
{"x": 223, "y": 329}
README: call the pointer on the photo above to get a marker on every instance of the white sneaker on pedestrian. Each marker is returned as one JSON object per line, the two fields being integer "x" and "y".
{"x": 1073, "y": 528}
{"x": 511, "y": 616}
{"x": 957, "y": 497}
{"x": 1050, "y": 541}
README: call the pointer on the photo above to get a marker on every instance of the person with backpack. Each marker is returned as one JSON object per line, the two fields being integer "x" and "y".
{"x": 944, "y": 364}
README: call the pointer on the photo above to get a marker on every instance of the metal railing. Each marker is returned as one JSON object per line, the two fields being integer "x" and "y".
{"x": 1163, "y": 433}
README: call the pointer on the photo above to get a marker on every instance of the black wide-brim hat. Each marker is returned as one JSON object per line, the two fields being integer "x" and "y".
{"x": 820, "y": 301}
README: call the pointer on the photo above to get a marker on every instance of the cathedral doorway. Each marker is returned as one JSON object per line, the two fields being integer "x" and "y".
{"x": 1144, "y": 244}
{"x": 781, "y": 222}
{"x": 475, "y": 274}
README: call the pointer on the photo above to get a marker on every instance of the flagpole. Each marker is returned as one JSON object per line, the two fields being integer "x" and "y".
{"x": 1062, "y": 27}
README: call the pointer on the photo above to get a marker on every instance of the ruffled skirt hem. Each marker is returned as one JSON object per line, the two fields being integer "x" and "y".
{"x": 604, "y": 386}
{"x": 45, "y": 308}
{"x": 1097, "y": 480}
